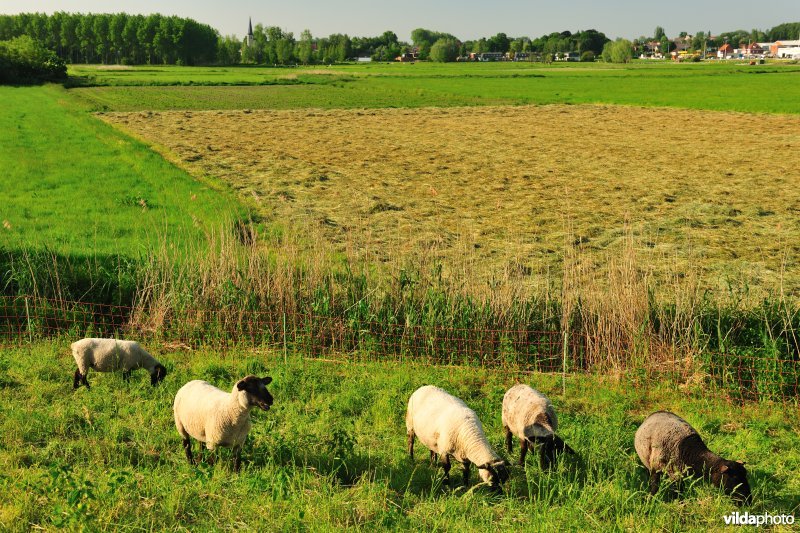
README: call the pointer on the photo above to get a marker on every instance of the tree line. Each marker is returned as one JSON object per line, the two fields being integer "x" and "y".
{"x": 116, "y": 38}
{"x": 156, "y": 39}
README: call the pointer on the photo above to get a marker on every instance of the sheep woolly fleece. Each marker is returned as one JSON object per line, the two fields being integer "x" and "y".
{"x": 211, "y": 415}
{"x": 528, "y": 413}
{"x": 109, "y": 355}
{"x": 658, "y": 441}
{"x": 445, "y": 425}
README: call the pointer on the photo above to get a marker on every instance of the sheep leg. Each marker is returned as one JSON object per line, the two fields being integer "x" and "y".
{"x": 411, "y": 444}
{"x": 84, "y": 380}
{"x": 523, "y": 447}
{"x": 187, "y": 447}
{"x": 76, "y": 381}
{"x": 126, "y": 375}
{"x": 237, "y": 459}
{"x": 466, "y": 473}
{"x": 655, "y": 481}
{"x": 509, "y": 444}
{"x": 446, "y": 465}
{"x": 210, "y": 455}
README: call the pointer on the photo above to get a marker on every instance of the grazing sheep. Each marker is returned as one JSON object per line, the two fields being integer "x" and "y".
{"x": 529, "y": 414}
{"x": 218, "y": 418}
{"x": 108, "y": 355}
{"x": 447, "y": 427}
{"x": 667, "y": 443}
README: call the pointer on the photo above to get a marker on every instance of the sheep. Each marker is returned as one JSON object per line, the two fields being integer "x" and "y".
{"x": 529, "y": 414}
{"x": 108, "y": 355}
{"x": 447, "y": 427}
{"x": 217, "y": 418}
{"x": 667, "y": 443}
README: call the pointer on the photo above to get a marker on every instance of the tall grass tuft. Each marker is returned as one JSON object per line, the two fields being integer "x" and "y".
{"x": 288, "y": 289}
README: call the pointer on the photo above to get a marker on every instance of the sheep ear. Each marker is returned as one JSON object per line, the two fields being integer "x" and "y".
{"x": 241, "y": 385}
{"x": 267, "y": 380}
{"x": 741, "y": 462}
{"x": 723, "y": 469}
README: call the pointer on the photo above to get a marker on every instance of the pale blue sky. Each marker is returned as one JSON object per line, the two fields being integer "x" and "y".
{"x": 466, "y": 19}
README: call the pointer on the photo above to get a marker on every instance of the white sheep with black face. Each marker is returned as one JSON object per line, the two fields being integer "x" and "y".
{"x": 218, "y": 418}
{"x": 530, "y": 415}
{"x": 110, "y": 355}
{"x": 448, "y": 428}
{"x": 666, "y": 443}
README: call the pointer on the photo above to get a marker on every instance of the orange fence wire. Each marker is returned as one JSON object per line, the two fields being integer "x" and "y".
{"x": 746, "y": 375}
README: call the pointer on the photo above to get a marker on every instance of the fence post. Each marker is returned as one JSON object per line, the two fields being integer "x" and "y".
{"x": 565, "y": 353}
{"x": 28, "y": 318}
{"x": 285, "y": 357}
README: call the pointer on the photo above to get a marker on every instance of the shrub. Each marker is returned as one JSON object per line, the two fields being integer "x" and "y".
{"x": 587, "y": 56}
{"x": 444, "y": 50}
{"x": 23, "y": 60}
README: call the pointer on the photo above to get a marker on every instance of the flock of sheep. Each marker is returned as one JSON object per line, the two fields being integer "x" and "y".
{"x": 446, "y": 426}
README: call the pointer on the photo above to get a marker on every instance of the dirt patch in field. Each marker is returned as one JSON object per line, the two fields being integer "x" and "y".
{"x": 515, "y": 185}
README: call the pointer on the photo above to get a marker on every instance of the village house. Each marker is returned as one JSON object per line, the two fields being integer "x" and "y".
{"x": 785, "y": 49}
{"x": 725, "y": 51}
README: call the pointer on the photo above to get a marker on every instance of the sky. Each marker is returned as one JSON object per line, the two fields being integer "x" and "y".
{"x": 466, "y": 19}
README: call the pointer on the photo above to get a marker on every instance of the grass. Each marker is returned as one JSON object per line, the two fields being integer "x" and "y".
{"x": 502, "y": 188}
{"x": 73, "y": 185}
{"x": 331, "y": 453}
{"x": 720, "y": 86}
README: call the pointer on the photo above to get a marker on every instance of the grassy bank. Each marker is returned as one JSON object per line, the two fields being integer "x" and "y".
{"x": 331, "y": 453}
{"x": 73, "y": 185}
{"x": 286, "y": 292}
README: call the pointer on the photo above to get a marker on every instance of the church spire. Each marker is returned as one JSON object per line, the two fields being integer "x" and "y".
{"x": 250, "y": 28}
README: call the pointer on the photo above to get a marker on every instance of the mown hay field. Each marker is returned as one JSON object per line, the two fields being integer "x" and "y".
{"x": 513, "y": 188}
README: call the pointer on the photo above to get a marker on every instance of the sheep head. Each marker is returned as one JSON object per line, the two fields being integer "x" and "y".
{"x": 158, "y": 375}
{"x": 255, "y": 392}
{"x": 732, "y": 477}
{"x": 494, "y": 473}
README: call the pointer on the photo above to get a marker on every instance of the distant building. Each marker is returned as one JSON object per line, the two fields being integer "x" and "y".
{"x": 248, "y": 39}
{"x": 753, "y": 50}
{"x": 725, "y": 51}
{"x": 785, "y": 49}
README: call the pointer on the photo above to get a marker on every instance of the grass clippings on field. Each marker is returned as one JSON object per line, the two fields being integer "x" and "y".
{"x": 699, "y": 189}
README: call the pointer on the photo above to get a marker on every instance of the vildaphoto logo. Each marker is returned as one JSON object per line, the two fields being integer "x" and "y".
{"x": 766, "y": 519}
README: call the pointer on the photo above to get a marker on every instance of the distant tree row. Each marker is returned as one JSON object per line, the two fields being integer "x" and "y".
{"x": 116, "y": 38}
{"x": 157, "y": 39}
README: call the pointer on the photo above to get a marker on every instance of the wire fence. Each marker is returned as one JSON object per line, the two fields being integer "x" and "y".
{"x": 744, "y": 375}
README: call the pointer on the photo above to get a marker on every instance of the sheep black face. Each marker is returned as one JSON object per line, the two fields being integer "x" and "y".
{"x": 495, "y": 473}
{"x": 158, "y": 375}
{"x": 732, "y": 476}
{"x": 256, "y": 389}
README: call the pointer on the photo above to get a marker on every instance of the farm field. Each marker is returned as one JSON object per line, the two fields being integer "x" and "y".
{"x": 716, "y": 86}
{"x": 505, "y": 187}
{"x": 332, "y": 451}
{"x": 508, "y": 176}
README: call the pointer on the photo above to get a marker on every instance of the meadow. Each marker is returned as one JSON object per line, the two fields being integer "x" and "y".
{"x": 332, "y": 452}
{"x": 75, "y": 186}
{"x": 649, "y": 210}
{"x": 722, "y": 86}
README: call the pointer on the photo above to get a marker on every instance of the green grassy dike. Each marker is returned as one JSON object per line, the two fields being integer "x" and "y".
{"x": 76, "y": 186}
{"x": 331, "y": 453}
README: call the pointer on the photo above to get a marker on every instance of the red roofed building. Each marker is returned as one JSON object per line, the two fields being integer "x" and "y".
{"x": 725, "y": 51}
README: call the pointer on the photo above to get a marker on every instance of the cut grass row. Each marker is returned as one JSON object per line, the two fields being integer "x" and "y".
{"x": 331, "y": 453}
